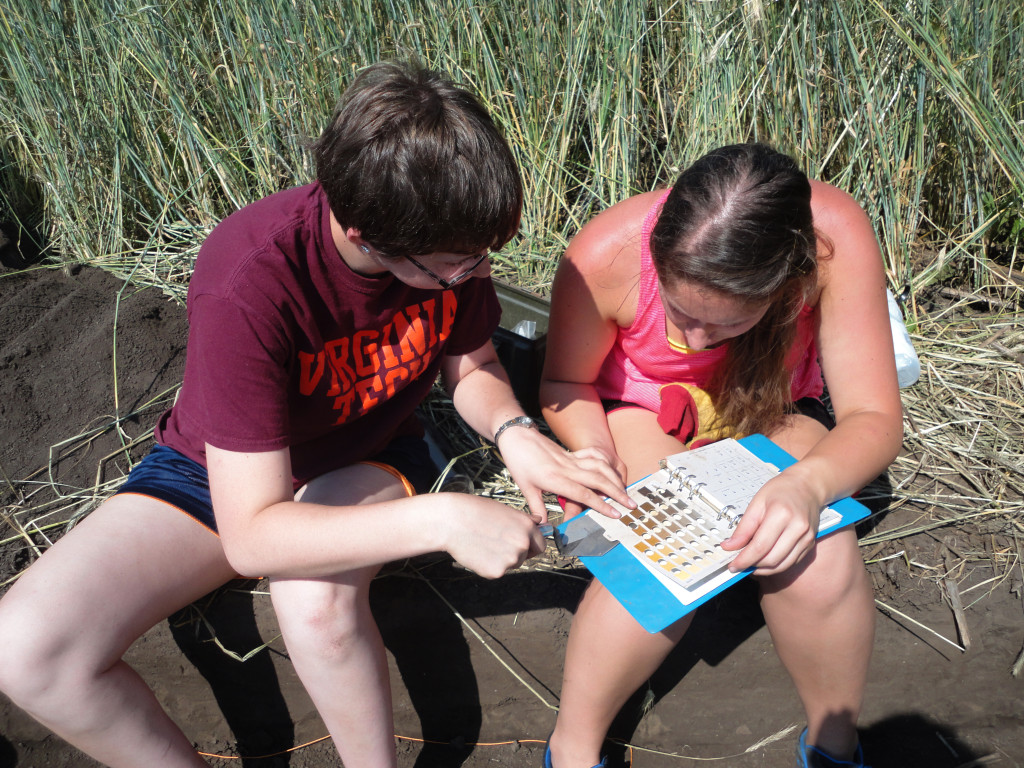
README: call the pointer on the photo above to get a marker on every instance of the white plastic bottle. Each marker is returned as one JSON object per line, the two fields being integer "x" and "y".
{"x": 908, "y": 367}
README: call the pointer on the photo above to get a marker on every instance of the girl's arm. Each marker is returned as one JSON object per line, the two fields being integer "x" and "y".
{"x": 856, "y": 353}
{"x": 594, "y": 294}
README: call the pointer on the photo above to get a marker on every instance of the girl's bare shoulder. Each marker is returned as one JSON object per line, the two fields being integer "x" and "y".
{"x": 847, "y": 241}
{"x": 610, "y": 241}
{"x": 603, "y": 260}
{"x": 836, "y": 212}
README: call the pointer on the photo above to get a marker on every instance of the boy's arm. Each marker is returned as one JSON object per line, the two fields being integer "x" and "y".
{"x": 265, "y": 532}
{"x": 482, "y": 395}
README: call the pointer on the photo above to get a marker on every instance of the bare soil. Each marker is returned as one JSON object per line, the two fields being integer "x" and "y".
{"x": 476, "y": 665}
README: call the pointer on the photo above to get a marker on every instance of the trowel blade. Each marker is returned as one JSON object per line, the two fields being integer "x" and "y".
{"x": 583, "y": 537}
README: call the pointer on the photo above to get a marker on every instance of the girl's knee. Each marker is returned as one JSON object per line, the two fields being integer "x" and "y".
{"x": 832, "y": 576}
{"x": 798, "y": 434}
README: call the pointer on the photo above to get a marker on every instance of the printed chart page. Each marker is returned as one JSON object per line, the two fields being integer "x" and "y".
{"x": 684, "y": 512}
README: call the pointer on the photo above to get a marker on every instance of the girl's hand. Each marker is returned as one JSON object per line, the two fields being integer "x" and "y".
{"x": 584, "y": 478}
{"x": 779, "y": 527}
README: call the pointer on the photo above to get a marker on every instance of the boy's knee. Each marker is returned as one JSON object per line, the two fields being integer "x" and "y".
{"x": 325, "y": 628}
{"x": 31, "y": 656}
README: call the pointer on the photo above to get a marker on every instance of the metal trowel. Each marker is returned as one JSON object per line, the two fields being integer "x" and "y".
{"x": 580, "y": 537}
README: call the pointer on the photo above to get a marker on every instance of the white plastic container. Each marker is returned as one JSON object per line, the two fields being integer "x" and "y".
{"x": 908, "y": 367}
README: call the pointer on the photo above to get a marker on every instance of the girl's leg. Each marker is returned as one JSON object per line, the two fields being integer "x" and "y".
{"x": 821, "y": 617}
{"x": 598, "y": 677}
{"x": 67, "y": 621}
{"x": 332, "y": 638}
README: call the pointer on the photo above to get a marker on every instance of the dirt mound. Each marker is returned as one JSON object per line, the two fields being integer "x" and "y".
{"x": 476, "y": 665}
{"x": 78, "y": 350}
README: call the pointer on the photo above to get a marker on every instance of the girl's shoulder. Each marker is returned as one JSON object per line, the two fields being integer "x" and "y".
{"x": 834, "y": 210}
{"x": 612, "y": 239}
{"x": 846, "y": 239}
{"x": 604, "y": 258}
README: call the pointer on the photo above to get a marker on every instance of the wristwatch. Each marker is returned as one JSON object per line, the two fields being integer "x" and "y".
{"x": 518, "y": 421}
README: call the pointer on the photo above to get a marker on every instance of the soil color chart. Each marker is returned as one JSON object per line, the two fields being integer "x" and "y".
{"x": 687, "y": 509}
{"x": 684, "y": 512}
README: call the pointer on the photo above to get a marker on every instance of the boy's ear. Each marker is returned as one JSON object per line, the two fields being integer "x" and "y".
{"x": 353, "y": 236}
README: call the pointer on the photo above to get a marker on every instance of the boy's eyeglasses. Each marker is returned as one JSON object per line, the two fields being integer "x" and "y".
{"x": 453, "y": 280}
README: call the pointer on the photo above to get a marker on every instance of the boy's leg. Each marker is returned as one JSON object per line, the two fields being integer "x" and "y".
{"x": 599, "y": 677}
{"x": 821, "y": 617}
{"x": 332, "y": 638}
{"x": 67, "y": 621}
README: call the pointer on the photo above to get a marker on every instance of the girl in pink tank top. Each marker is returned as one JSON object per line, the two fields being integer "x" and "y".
{"x": 717, "y": 309}
{"x": 645, "y": 367}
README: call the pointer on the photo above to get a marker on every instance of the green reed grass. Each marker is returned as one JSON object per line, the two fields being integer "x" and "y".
{"x": 129, "y": 128}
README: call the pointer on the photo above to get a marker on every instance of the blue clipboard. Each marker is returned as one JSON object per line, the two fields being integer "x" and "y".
{"x": 646, "y": 599}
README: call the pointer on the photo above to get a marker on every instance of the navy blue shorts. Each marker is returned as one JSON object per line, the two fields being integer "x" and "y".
{"x": 168, "y": 476}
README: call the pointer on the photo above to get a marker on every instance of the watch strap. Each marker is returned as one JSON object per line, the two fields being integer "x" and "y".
{"x": 518, "y": 421}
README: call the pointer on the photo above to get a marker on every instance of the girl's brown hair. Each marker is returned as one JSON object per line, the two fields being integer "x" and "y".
{"x": 738, "y": 221}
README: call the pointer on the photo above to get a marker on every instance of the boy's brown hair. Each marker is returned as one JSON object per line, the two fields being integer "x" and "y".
{"x": 415, "y": 164}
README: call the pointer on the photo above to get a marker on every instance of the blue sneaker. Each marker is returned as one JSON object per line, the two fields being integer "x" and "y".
{"x": 547, "y": 759}
{"x": 809, "y": 756}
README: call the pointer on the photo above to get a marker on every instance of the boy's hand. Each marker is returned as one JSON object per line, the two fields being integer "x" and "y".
{"x": 585, "y": 477}
{"x": 486, "y": 536}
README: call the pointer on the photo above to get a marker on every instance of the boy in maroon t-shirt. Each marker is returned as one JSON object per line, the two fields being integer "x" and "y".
{"x": 319, "y": 319}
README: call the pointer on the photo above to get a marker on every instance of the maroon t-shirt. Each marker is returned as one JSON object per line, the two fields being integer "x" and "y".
{"x": 288, "y": 347}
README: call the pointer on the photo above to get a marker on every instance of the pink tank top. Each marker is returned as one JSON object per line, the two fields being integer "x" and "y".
{"x": 643, "y": 361}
